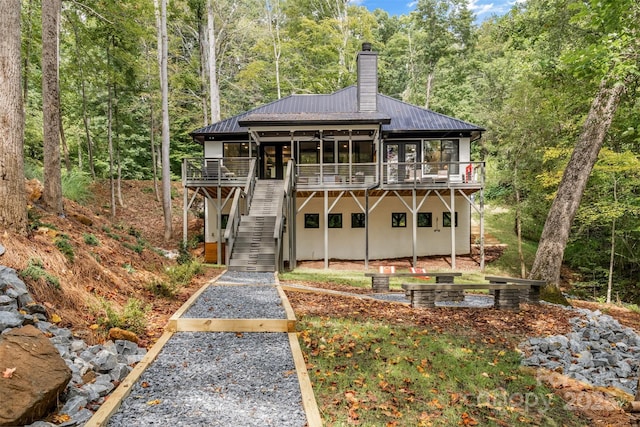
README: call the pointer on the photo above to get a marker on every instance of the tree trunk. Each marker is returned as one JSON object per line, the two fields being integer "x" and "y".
{"x": 214, "y": 89}
{"x": 204, "y": 71}
{"x": 13, "y": 209}
{"x": 112, "y": 185}
{"x": 85, "y": 117}
{"x": 164, "y": 85}
{"x": 613, "y": 243}
{"x": 523, "y": 268}
{"x": 27, "y": 53}
{"x": 52, "y": 194}
{"x": 273, "y": 13}
{"x": 65, "y": 147}
{"x": 548, "y": 260}
{"x": 428, "y": 89}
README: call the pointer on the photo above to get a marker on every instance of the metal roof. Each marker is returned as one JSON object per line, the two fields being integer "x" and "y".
{"x": 395, "y": 116}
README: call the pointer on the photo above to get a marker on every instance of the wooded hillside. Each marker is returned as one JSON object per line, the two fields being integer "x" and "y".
{"x": 529, "y": 77}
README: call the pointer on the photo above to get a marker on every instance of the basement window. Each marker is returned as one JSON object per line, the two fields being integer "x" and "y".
{"x": 446, "y": 219}
{"x": 398, "y": 219}
{"x": 425, "y": 219}
{"x": 312, "y": 220}
{"x": 357, "y": 220}
{"x": 335, "y": 220}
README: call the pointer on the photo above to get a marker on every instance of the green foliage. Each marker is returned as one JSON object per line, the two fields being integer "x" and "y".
{"x": 35, "y": 271}
{"x": 138, "y": 247}
{"x": 178, "y": 277}
{"x": 184, "y": 255}
{"x": 385, "y": 374}
{"x": 64, "y": 245}
{"x": 90, "y": 239}
{"x": 132, "y": 317}
{"x": 76, "y": 186}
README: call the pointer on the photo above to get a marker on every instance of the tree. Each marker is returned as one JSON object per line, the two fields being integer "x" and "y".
{"x": 163, "y": 44}
{"x": 13, "y": 209}
{"x": 612, "y": 54}
{"x": 52, "y": 194}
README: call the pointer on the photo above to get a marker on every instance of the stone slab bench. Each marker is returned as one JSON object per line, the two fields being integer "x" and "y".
{"x": 530, "y": 294}
{"x": 506, "y": 295}
{"x": 380, "y": 281}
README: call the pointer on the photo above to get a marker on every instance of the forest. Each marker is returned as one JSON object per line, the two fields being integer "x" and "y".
{"x": 533, "y": 78}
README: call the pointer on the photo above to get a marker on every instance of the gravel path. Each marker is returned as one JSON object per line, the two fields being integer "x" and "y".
{"x": 237, "y": 302}
{"x": 221, "y": 378}
{"x": 217, "y": 379}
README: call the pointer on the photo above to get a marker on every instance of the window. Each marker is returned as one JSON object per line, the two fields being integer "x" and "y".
{"x": 425, "y": 219}
{"x": 446, "y": 219}
{"x": 357, "y": 220}
{"x": 362, "y": 151}
{"x": 224, "y": 221}
{"x": 399, "y": 219}
{"x": 308, "y": 152}
{"x": 440, "y": 153}
{"x": 335, "y": 220}
{"x": 311, "y": 220}
{"x": 236, "y": 149}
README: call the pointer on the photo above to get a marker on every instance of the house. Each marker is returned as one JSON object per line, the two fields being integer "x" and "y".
{"x": 349, "y": 175}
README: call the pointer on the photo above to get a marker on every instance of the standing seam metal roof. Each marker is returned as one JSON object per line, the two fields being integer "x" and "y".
{"x": 404, "y": 117}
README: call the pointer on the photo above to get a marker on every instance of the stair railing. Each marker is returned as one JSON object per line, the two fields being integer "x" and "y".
{"x": 282, "y": 211}
{"x": 240, "y": 206}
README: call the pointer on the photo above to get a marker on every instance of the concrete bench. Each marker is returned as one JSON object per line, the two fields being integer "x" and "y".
{"x": 380, "y": 281}
{"x": 506, "y": 295}
{"x": 530, "y": 294}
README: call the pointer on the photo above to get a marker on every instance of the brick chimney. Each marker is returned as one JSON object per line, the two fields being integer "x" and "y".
{"x": 367, "y": 79}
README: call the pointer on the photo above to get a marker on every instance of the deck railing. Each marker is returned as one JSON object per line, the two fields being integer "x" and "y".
{"x": 435, "y": 174}
{"x": 217, "y": 171}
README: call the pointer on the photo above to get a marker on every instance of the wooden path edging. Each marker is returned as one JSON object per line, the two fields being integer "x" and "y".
{"x": 176, "y": 324}
{"x": 112, "y": 404}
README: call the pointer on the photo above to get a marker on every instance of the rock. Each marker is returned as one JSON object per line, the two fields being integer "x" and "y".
{"x": 41, "y": 375}
{"x": 104, "y": 361}
{"x": 9, "y": 279}
{"x": 7, "y": 303}
{"x": 34, "y": 190}
{"x": 82, "y": 219}
{"x": 2, "y": 250}
{"x": 121, "y": 334}
{"x": 10, "y": 319}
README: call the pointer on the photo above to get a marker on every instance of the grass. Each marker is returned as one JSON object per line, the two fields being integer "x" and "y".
{"x": 76, "y": 186}
{"x": 500, "y": 224}
{"x": 375, "y": 374}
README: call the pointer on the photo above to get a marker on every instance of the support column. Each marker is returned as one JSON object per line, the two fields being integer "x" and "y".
{"x": 452, "y": 211}
{"x": 185, "y": 216}
{"x": 414, "y": 211}
{"x": 326, "y": 229}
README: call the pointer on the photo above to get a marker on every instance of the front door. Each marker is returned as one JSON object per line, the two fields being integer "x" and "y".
{"x": 273, "y": 160}
{"x": 401, "y": 160}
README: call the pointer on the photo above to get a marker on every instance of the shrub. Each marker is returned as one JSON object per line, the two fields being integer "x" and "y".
{"x": 137, "y": 248}
{"x": 76, "y": 186}
{"x": 184, "y": 256}
{"x": 182, "y": 274}
{"x": 64, "y": 245}
{"x": 36, "y": 272}
{"x": 162, "y": 289}
{"x": 132, "y": 318}
{"x": 90, "y": 239}
{"x": 134, "y": 232}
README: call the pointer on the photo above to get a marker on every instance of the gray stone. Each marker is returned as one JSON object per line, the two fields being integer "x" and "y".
{"x": 73, "y": 405}
{"x": 104, "y": 361}
{"x": 25, "y": 300}
{"x": 78, "y": 345}
{"x": 35, "y": 308}
{"x": 44, "y": 326}
{"x": 126, "y": 348}
{"x": 585, "y": 360}
{"x": 134, "y": 358}
{"x": 10, "y": 319}
{"x": 120, "y": 372}
{"x": 9, "y": 279}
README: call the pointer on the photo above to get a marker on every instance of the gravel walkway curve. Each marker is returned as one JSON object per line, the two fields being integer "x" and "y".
{"x": 221, "y": 378}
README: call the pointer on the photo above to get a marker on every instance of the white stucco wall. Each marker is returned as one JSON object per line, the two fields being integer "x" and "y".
{"x": 385, "y": 241}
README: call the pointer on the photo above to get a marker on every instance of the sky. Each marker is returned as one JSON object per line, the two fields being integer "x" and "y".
{"x": 483, "y": 9}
